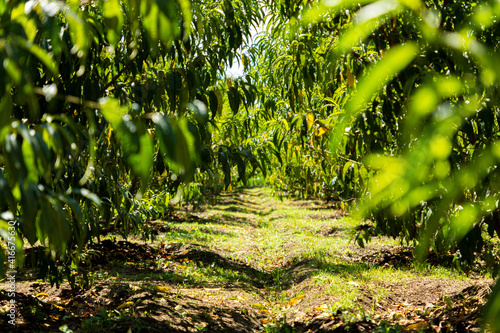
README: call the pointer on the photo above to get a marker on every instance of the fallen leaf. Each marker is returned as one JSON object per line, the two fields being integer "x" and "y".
{"x": 258, "y": 306}
{"x": 135, "y": 288}
{"x": 417, "y": 326}
{"x": 295, "y": 300}
{"x": 125, "y": 305}
{"x": 322, "y": 307}
{"x": 323, "y": 316}
{"x": 163, "y": 289}
{"x": 42, "y": 294}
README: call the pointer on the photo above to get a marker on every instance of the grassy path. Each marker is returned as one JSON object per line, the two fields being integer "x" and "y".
{"x": 252, "y": 263}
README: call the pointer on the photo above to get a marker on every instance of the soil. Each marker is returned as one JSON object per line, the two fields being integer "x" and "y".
{"x": 148, "y": 304}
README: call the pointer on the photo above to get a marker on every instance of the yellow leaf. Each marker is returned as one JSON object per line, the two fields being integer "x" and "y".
{"x": 258, "y": 306}
{"x": 42, "y": 294}
{"x": 417, "y": 326}
{"x": 322, "y": 307}
{"x": 322, "y": 130}
{"x": 163, "y": 289}
{"x": 350, "y": 78}
{"x": 244, "y": 61}
{"x": 295, "y": 300}
{"x": 110, "y": 130}
{"x": 125, "y": 305}
{"x": 310, "y": 121}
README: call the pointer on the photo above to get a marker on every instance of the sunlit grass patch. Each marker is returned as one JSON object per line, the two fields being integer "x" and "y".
{"x": 279, "y": 249}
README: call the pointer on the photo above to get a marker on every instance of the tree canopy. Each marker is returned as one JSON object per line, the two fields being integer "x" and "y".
{"x": 114, "y": 111}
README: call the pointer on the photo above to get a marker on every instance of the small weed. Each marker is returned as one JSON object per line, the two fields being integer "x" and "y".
{"x": 385, "y": 327}
{"x": 104, "y": 320}
{"x": 280, "y": 326}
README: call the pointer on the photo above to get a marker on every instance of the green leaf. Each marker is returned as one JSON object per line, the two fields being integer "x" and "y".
{"x": 346, "y": 168}
{"x": 214, "y": 103}
{"x": 8, "y": 233}
{"x": 3, "y": 6}
{"x": 38, "y": 52}
{"x": 185, "y": 6}
{"x": 14, "y": 161}
{"x": 113, "y": 18}
{"x": 234, "y": 99}
{"x": 29, "y": 210}
{"x": 6, "y": 198}
{"x": 78, "y": 223}
{"x": 176, "y": 144}
{"x": 241, "y": 167}
{"x": 492, "y": 310}
{"x": 137, "y": 146}
{"x": 80, "y": 33}
{"x": 60, "y": 232}
{"x": 166, "y": 134}
{"x": 112, "y": 111}
{"x": 86, "y": 194}
{"x": 226, "y": 169}
{"x": 200, "y": 111}
{"x": 143, "y": 161}
{"x": 12, "y": 70}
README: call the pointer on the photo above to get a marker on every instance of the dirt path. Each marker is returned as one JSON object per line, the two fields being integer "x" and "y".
{"x": 252, "y": 264}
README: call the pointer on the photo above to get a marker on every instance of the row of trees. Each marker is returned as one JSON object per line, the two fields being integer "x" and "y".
{"x": 113, "y": 110}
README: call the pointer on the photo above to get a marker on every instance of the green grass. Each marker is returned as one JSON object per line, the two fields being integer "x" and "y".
{"x": 277, "y": 256}
{"x": 281, "y": 253}
{"x": 271, "y": 236}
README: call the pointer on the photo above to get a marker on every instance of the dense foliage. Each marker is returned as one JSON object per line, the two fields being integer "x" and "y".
{"x": 114, "y": 111}
{"x": 106, "y": 111}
